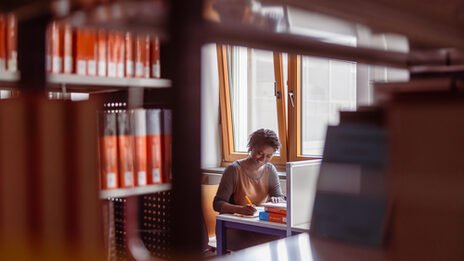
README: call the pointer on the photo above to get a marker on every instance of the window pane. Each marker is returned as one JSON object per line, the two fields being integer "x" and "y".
{"x": 252, "y": 97}
{"x": 327, "y": 86}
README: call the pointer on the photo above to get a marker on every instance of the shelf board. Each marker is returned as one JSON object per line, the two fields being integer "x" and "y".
{"x": 74, "y": 81}
{"x": 126, "y": 192}
{"x": 9, "y": 77}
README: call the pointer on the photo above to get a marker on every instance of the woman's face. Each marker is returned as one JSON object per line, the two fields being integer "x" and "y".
{"x": 262, "y": 154}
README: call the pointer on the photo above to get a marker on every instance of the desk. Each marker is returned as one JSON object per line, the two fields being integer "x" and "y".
{"x": 303, "y": 247}
{"x": 224, "y": 221}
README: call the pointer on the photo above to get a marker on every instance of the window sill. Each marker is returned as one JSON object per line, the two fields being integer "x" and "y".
{"x": 220, "y": 170}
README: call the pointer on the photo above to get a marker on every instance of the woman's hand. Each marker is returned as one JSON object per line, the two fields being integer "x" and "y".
{"x": 246, "y": 210}
{"x": 277, "y": 199}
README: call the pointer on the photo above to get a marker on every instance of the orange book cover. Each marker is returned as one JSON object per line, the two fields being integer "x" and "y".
{"x": 120, "y": 52}
{"x": 68, "y": 43}
{"x": 129, "y": 50}
{"x": 140, "y": 132}
{"x": 155, "y": 58}
{"x": 12, "y": 42}
{"x": 91, "y": 56}
{"x": 125, "y": 150}
{"x": 81, "y": 46}
{"x": 56, "y": 52}
{"x": 101, "y": 52}
{"x": 154, "y": 160}
{"x": 166, "y": 145}
{"x": 2, "y": 42}
{"x": 111, "y": 54}
{"x": 108, "y": 151}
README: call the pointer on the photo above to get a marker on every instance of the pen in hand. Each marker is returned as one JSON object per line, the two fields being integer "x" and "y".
{"x": 249, "y": 201}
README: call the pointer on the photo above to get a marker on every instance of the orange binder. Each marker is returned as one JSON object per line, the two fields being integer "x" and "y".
{"x": 55, "y": 48}
{"x": 108, "y": 151}
{"x": 91, "y": 52}
{"x": 154, "y": 160}
{"x": 68, "y": 45}
{"x": 81, "y": 49}
{"x": 129, "y": 50}
{"x": 166, "y": 145}
{"x": 125, "y": 150}
{"x": 155, "y": 58}
{"x": 140, "y": 132}
{"x": 11, "y": 44}
{"x": 142, "y": 56}
{"x": 101, "y": 53}
{"x": 2, "y": 43}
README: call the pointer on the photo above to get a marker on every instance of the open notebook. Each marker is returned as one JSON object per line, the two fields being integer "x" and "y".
{"x": 255, "y": 215}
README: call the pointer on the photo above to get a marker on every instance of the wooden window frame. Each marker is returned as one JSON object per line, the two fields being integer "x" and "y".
{"x": 229, "y": 154}
{"x": 295, "y": 112}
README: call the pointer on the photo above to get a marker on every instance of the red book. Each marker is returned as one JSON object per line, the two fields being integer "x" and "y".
{"x": 140, "y": 131}
{"x": 125, "y": 150}
{"x": 279, "y": 208}
{"x": 2, "y": 43}
{"x": 154, "y": 160}
{"x": 108, "y": 151}
{"x": 12, "y": 42}
{"x": 120, "y": 55}
{"x": 155, "y": 58}
{"x": 166, "y": 145}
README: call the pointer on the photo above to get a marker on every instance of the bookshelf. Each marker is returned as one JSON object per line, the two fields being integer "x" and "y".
{"x": 96, "y": 83}
{"x": 7, "y": 76}
{"x": 135, "y": 191}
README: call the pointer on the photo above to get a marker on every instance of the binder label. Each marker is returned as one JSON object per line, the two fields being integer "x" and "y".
{"x": 156, "y": 173}
{"x": 128, "y": 178}
{"x": 111, "y": 180}
{"x": 142, "y": 178}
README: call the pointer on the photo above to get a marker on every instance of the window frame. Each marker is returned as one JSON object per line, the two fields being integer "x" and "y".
{"x": 229, "y": 154}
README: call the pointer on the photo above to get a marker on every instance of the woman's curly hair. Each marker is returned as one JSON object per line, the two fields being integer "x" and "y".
{"x": 262, "y": 137}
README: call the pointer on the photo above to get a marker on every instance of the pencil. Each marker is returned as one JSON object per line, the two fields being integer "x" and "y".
{"x": 249, "y": 201}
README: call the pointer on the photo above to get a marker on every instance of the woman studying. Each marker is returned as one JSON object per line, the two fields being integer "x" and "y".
{"x": 252, "y": 179}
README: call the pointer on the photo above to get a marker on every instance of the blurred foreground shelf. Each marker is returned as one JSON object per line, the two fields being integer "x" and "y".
{"x": 8, "y": 79}
{"x": 126, "y": 192}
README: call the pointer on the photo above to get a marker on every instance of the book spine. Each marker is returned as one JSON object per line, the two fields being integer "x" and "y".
{"x": 154, "y": 160}
{"x": 12, "y": 44}
{"x": 273, "y": 217}
{"x": 129, "y": 49}
{"x": 68, "y": 45}
{"x": 108, "y": 151}
{"x": 166, "y": 145}
{"x": 2, "y": 42}
{"x": 155, "y": 58}
{"x": 142, "y": 60}
{"x": 276, "y": 210}
{"x": 125, "y": 150}
{"x": 101, "y": 50}
{"x": 140, "y": 131}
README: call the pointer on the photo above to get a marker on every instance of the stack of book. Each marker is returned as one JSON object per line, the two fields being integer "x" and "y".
{"x": 274, "y": 212}
{"x": 134, "y": 148}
